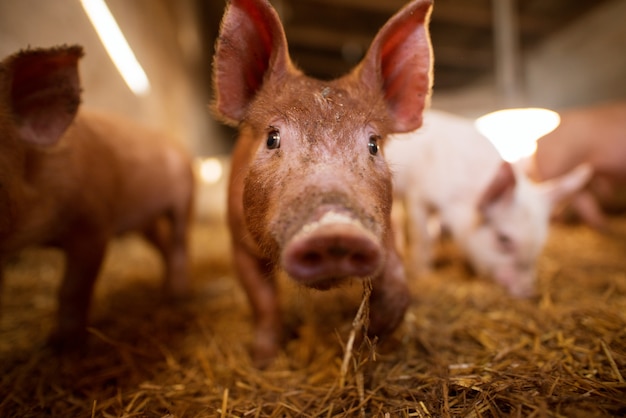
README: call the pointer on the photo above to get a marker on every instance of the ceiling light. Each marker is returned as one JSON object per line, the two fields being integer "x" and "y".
{"x": 116, "y": 46}
{"x": 514, "y": 132}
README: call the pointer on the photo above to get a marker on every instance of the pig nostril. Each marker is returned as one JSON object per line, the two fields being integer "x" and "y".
{"x": 330, "y": 252}
{"x": 360, "y": 258}
{"x": 311, "y": 258}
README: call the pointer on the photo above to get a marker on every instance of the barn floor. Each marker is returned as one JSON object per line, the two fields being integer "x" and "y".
{"x": 465, "y": 349}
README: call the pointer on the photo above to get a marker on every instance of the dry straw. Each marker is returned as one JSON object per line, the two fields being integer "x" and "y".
{"x": 465, "y": 349}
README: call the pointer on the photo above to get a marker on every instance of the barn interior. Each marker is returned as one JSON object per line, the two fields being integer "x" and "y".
{"x": 466, "y": 348}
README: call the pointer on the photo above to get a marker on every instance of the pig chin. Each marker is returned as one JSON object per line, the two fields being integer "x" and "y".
{"x": 330, "y": 247}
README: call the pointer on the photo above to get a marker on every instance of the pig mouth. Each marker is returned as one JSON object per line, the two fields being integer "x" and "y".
{"x": 330, "y": 249}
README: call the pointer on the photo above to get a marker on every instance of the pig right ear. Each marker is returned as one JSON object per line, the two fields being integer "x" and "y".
{"x": 399, "y": 63}
{"x": 251, "y": 43}
{"x": 559, "y": 188}
{"x": 44, "y": 91}
{"x": 501, "y": 187}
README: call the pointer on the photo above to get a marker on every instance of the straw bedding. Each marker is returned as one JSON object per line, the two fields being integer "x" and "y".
{"x": 466, "y": 349}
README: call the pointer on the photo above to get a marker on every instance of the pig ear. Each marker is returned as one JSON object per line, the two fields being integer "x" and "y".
{"x": 400, "y": 62}
{"x": 561, "y": 187}
{"x": 44, "y": 92}
{"x": 251, "y": 42}
{"x": 501, "y": 186}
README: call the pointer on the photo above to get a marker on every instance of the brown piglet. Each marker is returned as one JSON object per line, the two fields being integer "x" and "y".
{"x": 310, "y": 192}
{"x": 74, "y": 179}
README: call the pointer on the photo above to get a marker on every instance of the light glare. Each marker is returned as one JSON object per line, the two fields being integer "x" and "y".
{"x": 211, "y": 170}
{"x": 514, "y": 132}
{"x": 116, "y": 46}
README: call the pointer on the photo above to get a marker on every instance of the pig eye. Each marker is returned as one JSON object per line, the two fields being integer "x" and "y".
{"x": 505, "y": 241}
{"x": 373, "y": 144}
{"x": 273, "y": 139}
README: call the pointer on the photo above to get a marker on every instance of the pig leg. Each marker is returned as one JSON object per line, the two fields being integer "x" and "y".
{"x": 257, "y": 278}
{"x": 2, "y": 264}
{"x": 83, "y": 262}
{"x": 399, "y": 224}
{"x": 420, "y": 242}
{"x": 177, "y": 271}
{"x": 390, "y": 296}
{"x": 169, "y": 235}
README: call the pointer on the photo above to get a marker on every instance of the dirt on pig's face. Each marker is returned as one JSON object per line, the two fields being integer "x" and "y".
{"x": 319, "y": 152}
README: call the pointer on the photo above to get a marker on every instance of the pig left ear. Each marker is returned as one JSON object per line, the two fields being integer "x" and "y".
{"x": 501, "y": 187}
{"x": 44, "y": 91}
{"x": 251, "y": 48}
{"x": 561, "y": 187}
{"x": 399, "y": 62}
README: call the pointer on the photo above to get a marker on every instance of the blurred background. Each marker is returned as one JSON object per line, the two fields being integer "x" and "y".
{"x": 488, "y": 53}
{"x": 564, "y": 350}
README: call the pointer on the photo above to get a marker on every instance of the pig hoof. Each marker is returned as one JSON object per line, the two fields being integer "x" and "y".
{"x": 265, "y": 349}
{"x": 263, "y": 355}
{"x": 178, "y": 289}
{"x": 176, "y": 296}
{"x": 67, "y": 344}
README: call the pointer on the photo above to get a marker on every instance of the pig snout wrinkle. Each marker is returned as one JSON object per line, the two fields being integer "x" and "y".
{"x": 333, "y": 251}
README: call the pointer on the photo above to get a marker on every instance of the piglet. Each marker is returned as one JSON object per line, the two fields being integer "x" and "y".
{"x": 310, "y": 192}
{"x": 75, "y": 179}
{"x": 595, "y": 135}
{"x": 494, "y": 213}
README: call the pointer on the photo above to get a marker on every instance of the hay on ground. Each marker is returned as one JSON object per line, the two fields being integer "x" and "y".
{"x": 465, "y": 349}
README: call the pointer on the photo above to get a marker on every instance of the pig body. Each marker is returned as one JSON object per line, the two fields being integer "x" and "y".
{"x": 494, "y": 213}
{"x": 595, "y": 135}
{"x": 309, "y": 192}
{"x": 76, "y": 179}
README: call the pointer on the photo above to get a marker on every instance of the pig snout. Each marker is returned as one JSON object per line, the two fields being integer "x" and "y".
{"x": 519, "y": 283}
{"x": 334, "y": 247}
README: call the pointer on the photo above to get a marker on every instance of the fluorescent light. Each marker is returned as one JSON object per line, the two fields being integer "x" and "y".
{"x": 116, "y": 46}
{"x": 514, "y": 132}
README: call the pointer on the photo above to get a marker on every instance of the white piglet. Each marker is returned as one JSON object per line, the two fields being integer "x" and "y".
{"x": 495, "y": 214}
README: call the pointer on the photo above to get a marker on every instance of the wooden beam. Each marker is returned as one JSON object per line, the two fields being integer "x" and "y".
{"x": 317, "y": 37}
{"x": 458, "y": 13}
{"x": 379, "y": 6}
{"x": 465, "y": 59}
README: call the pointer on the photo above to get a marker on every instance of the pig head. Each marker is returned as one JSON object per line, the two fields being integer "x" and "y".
{"x": 75, "y": 179}
{"x": 511, "y": 226}
{"x": 310, "y": 192}
{"x": 495, "y": 214}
